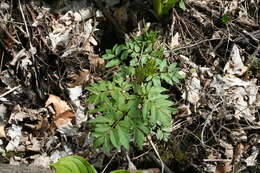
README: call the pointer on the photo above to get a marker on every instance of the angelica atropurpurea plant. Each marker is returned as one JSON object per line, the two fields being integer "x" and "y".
{"x": 134, "y": 103}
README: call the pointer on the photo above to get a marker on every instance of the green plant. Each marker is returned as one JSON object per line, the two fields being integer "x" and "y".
{"x": 162, "y": 7}
{"x": 225, "y": 18}
{"x": 134, "y": 103}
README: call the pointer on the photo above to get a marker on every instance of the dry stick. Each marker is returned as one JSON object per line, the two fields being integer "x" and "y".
{"x": 217, "y": 160}
{"x": 27, "y": 31}
{"x": 108, "y": 163}
{"x": 141, "y": 155}
{"x": 1, "y": 65}
{"x": 26, "y": 28}
{"x": 195, "y": 44}
{"x": 9, "y": 91}
{"x": 156, "y": 151}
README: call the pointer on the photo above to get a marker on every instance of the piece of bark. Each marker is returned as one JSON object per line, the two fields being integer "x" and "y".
{"x": 6, "y": 168}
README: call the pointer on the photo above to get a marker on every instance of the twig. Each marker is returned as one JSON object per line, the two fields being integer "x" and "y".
{"x": 156, "y": 151}
{"x": 207, "y": 122}
{"x": 217, "y": 160}
{"x": 9, "y": 91}
{"x": 167, "y": 170}
{"x": 26, "y": 28}
{"x": 17, "y": 23}
{"x": 27, "y": 31}
{"x": 108, "y": 163}
{"x": 195, "y": 44}
{"x": 1, "y": 65}
{"x": 141, "y": 155}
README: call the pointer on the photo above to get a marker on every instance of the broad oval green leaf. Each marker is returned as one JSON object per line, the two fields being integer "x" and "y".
{"x": 60, "y": 168}
{"x": 90, "y": 168}
{"x": 67, "y": 162}
{"x": 73, "y": 164}
{"x": 81, "y": 167}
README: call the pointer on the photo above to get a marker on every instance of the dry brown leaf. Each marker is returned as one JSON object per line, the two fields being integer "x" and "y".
{"x": 79, "y": 79}
{"x": 224, "y": 167}
{"x": 63, "y": 119}
{"x": 2, "y": 131}
{"x": 96, "y": 61}
{"x": 63, "y": 114}
{"x": 175, "y": 41}
{"x": 60, "y": 106}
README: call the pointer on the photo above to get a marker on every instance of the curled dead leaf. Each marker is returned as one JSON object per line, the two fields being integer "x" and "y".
{"x": 63, "y": 115}
{"x": 96, "y": 61}
{"x": 60, "y": 106}
{"x": 63, "y": 119}
{"x": 79, "y": 79}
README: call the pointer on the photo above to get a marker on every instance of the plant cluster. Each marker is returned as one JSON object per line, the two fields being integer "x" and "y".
{"x": 134, "y": 103}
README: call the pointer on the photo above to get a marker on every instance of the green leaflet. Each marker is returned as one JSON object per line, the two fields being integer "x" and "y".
{"x": 114, "y": 138}
{"x": 139, "y": 138}
{"x": 124, "y": 137}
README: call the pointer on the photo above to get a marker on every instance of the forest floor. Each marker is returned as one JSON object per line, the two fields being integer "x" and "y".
{"x": 51, "y": 51}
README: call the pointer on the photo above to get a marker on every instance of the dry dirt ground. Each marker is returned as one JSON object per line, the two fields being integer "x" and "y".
{"x": 50, "y": 51}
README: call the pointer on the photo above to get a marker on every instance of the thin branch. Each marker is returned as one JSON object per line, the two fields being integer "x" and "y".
{"x": 108, "y": 163}
{"x": 156, "y": 151}
{"x": 10, "y": 91}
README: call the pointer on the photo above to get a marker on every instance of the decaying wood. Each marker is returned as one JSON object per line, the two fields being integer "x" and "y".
{"x": 6, "y": 168}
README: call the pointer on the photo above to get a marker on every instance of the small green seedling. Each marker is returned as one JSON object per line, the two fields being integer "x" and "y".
{"x": 163, "y": 7}
{"x": 225, "y": 18}
{"x": 134, "y": 103}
